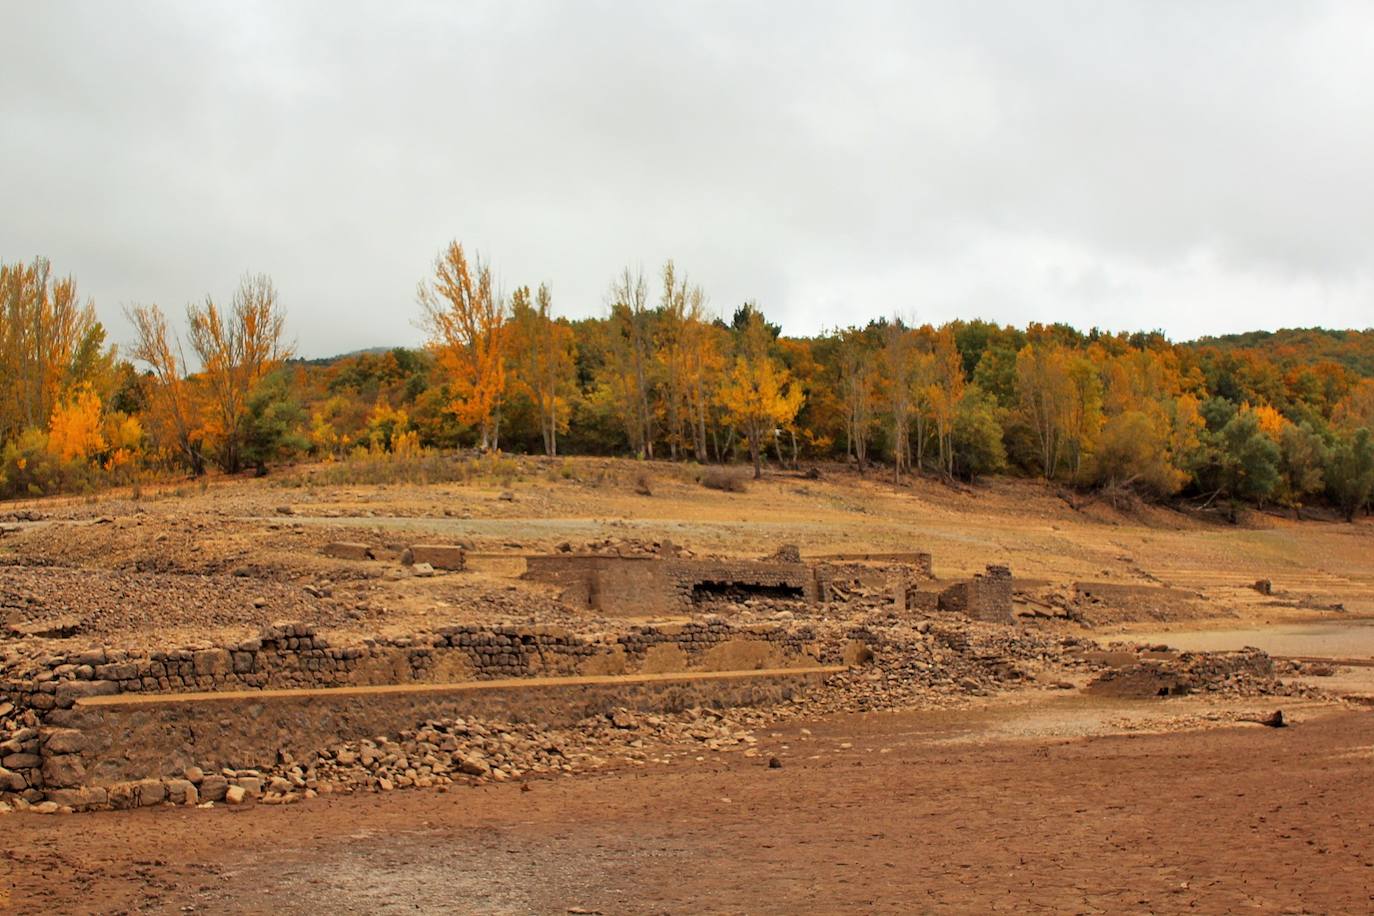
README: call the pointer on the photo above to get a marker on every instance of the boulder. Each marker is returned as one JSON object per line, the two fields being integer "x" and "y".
{"x": 182, "y": 792}
{"x": 79, "y": 798}
{"x": 65, "y": 740}
{"x": 63, "y": 771}
{"x": 348, "y": 550}
{"x": 213, "y": 787}
{"x": 69, "y": 692}
{"x": 209, "y": 662}
{"x": 11, "y": 781}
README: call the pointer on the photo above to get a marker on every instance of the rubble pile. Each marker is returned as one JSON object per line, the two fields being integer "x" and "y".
{"x": 627, "y": 547}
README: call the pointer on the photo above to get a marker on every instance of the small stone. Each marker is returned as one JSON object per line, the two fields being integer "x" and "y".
{"x": 234, "y": 795}
{"x": 774, "y": 763}
{"x": 422, "y": 570}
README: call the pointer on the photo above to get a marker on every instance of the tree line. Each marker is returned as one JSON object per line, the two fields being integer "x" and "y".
{"x": 662, "y": 377}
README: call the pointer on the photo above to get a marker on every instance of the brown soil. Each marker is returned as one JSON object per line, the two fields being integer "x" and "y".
{"x": 894, "y": 812}
{"x": 1073, "y": 804}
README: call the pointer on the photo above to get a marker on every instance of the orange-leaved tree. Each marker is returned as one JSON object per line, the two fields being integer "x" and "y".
{"x": 237, "y": 350}
{"x": 759, "y": 395}
{"x": 50, "y": 343}
{"x": 466, "y": 322}
{"x": 75, "y": 428}
{"x": 170, "y": 395}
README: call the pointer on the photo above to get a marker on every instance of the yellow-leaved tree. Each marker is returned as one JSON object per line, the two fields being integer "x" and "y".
{"x": 545, "y": 360}
{"x": 75, "y": 429}
{"x": 759, "y": 396}
{"x": 466, "y": 322}
{"x": 237, "y": 350}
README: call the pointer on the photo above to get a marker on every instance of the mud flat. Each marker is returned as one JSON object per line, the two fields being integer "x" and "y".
{"x": 885, "y": 812}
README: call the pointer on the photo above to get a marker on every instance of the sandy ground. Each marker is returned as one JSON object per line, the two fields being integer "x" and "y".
{"x": 1003, "y": 810}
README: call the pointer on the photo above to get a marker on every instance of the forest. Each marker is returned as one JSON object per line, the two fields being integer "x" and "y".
{"x": 1260, "y": 419}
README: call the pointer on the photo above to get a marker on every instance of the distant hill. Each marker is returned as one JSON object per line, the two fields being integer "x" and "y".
{"x": 331, "y": 360}
{"x": 1303, "y": 346}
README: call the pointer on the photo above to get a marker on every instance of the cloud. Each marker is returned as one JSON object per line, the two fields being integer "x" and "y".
{"x": 1197, "y": 167}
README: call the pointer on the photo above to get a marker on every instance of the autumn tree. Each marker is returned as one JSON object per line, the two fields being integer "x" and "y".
{"x": 171, "y": 398}
{"x": 237, "y": 349}
{"x": 1043, "y": 391}
{"x": 705, "y": 349}
{"x": 680, "y": 362}
{"x": 1060, "y": 396}
{"x": 631, "y": 357}
{"x": 943, "y": 394}
{"x": 1131, "y": 454}
{"x": 759, "y": 395}
{"x": 896, "y": 359}
{"x": 544, "y": 354}
{"x": 466, "y": 322}
{"x": 50, "y": 343}
{"x": 75, "y": 431}
{"x": 858, "y": 374}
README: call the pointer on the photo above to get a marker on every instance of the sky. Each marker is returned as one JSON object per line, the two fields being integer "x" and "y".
{"x": 1196, "y": 167}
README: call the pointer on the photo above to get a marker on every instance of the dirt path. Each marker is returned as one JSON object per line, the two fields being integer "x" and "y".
{"x": 879, "y": 813}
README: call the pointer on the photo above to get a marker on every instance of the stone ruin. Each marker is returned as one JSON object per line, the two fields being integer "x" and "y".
{"x": 665, "y": 583}
{"x": 103, "y": 727}
{"x": 645, "y": 586}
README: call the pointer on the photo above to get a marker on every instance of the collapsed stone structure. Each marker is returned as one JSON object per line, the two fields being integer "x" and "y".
{"x": 106, "y": 727}
{"x": 649, "y": 585}
{"x": 646, "y": 586}
{"x": 985, "y": 597}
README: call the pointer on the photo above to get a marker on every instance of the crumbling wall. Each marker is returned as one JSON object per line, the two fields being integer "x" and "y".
{"x": 133, "y": 740}
{"x": 649, "y": 586}
{"x": 986, "y": 597}
{"x": 136, "y": 751}
{"x": 294, "y": 656}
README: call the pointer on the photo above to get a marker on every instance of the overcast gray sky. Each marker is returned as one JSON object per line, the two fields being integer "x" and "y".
{"x": 1199, "y": 167}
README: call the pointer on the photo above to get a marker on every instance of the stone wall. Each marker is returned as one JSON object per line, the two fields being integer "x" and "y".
{"x": 650, "y": 586}
{"x": 985, "y": 597}
{"x": 35, "y": 759}
{"x": 124, "y": 739}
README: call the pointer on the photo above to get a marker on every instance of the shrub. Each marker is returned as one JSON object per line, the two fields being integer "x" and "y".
{"x": 723, "y": 479}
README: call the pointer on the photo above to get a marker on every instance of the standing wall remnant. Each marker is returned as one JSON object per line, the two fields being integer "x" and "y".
{"x": 985, "y": 597}
{"x": 647, "y": 586}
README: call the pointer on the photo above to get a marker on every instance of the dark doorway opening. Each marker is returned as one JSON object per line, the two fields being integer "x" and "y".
{"x": 736, "y": 591}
